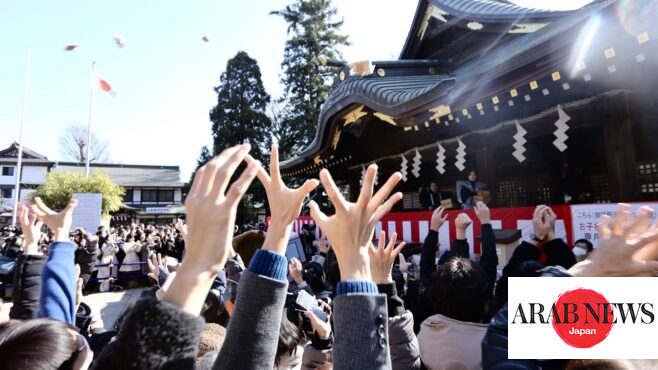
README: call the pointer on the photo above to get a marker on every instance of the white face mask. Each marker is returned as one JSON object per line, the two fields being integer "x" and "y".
{"x": 579, "y": 251}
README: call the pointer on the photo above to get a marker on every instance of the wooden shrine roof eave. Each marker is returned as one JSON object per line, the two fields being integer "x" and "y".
{"x": 484, "y": 11}
{"x": 394, "y": 96}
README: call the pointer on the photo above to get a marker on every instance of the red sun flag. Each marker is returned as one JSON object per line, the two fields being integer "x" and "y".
{"x": 103, "y": 85}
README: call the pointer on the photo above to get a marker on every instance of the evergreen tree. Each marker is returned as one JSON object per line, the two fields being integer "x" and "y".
{"x": 312, "y": 36}
{"x": 240, "y": 116}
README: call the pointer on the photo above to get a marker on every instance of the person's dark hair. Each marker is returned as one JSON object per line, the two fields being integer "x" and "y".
{"x": 313, "y": 275}
{"x": 461, "y": 291}
{"x": 36, "y": 344}
{"x": 331, "y": 270}
{"x": 306, "y": 227}
{"x": 290, "y": 336}
{"x": 130, "y": 238}
{"x": 589, "y": 244}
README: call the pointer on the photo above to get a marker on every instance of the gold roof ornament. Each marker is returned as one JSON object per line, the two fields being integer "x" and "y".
{"x": 361, "y": 68}
{"x": 386, "y": 118}
{"x": 440, "y": 111}
{"x": 317, "y": 159}
{"x": 354, "y": 115}
{"x": 336, "y": 138}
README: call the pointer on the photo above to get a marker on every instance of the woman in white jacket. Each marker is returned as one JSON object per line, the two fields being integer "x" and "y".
{"x": 109, "y": 249}
{"x": 129, "y": 266}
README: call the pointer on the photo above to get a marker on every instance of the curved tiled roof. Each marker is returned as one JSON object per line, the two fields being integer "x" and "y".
{"x": 394, "y": 96}
{"x": 491, "y": 10}
{"x": 384, "y": 94}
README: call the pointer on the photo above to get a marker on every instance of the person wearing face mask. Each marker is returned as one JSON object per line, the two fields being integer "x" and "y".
{"x": 582, "y": 249}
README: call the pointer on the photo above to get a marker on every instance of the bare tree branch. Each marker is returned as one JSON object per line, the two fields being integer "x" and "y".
{"x": 73, "y": 145}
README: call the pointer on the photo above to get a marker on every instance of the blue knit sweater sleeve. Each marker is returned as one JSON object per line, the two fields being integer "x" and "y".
{"x": 269, "y": 264}
{"x": 58, "y": 286}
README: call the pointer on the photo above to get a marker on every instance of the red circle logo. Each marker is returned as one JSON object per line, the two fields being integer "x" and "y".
{"x": 580, "y": 325}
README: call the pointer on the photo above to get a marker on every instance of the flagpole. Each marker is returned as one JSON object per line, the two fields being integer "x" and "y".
{"x": 91, "y": 105}
{"x": 19, "y": 157}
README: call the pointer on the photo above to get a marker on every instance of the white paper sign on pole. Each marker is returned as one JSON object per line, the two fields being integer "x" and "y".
{"x": 88, "y": 212}
{"x": 584, "y": 218}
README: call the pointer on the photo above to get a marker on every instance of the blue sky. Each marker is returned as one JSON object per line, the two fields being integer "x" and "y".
{"x": 164, "y": 76}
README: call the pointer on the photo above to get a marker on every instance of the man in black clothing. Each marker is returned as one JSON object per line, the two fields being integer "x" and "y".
{"x": 431, "y": 200}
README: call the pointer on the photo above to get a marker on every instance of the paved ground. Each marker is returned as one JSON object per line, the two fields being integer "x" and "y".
{"x": 111, "y": 305}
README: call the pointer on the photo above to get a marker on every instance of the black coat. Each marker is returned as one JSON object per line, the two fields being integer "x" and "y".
{"x": 27, "y": 286}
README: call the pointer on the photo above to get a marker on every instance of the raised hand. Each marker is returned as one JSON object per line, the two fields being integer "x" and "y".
{"x": 155, "y": 262}
{"x": 551, "y": 218}
{"x": 351, "y": 228}
{"x": 438, "y": 219}
{"x": 383, "y": 258}
{"x": 540, "y": 222}
{"x": 31, "y": 230}
{"x": 285, "y": 204}
{"x": 295, "y": 270}
{"x": 462, "y": 222}
{"x": 182, "y": 229}
{"x": 483, "y": 213}
{"x": 324, "y": 246}
{"x": 60, "y": 222}
{"x": 211, "y": 207}
{"x": 620, "y": 240}
{"x": 404, "y": 265}
{"x": 322, "y": 328}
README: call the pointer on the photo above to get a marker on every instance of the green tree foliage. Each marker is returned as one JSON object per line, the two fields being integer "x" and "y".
{"x": 58, "y": 188}
{"x": 239, "y": 116}
{"x": 313, "y": 34}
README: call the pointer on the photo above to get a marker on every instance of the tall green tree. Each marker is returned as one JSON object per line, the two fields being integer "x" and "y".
{"x": 240, "y": 116}
{"x": 313, "y": 35}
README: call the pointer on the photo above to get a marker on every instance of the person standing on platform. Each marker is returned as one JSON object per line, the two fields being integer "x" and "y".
{"x": 467, "y": 190}
{"x": 432, "y": 199}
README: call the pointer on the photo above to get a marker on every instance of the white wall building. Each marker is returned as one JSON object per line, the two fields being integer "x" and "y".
{"x": 153, "y": 193}
{"x": 34, "y": 165}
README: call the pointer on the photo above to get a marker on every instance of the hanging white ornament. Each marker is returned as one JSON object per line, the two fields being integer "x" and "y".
{"x": 560, "y": 134}
{"x": 519, "y": 143}
{"x": 461, "y": 156}
{"x": 441, "y": 159}
{"x": 403, "y": 168}
{"x": 416, "y": 164}
{"x": 363, "y": 174}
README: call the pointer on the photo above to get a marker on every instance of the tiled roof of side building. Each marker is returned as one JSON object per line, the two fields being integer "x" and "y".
{"x": 129, "y": 175}
{"x": 12, "y": 152}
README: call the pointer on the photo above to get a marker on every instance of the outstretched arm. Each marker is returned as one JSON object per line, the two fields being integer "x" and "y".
{"x": 58, "y": 280}
{"x": 359, "y": 311}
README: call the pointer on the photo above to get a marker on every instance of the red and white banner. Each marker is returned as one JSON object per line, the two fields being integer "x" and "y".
{"x": 573, "y": 223}
{"x": 414, "y": 226}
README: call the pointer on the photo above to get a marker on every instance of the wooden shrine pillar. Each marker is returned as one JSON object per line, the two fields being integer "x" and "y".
{"x": 484, "y": 151}
{"x": 619, "y": 147}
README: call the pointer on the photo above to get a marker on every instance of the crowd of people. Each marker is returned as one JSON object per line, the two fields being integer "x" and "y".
{"x": 357, "y": 302}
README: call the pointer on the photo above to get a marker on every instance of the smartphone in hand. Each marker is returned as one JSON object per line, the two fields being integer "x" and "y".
{"x": 311, "y": 304}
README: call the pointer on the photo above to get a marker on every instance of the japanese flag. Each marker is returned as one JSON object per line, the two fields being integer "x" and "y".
{"x": 103, "y": 85}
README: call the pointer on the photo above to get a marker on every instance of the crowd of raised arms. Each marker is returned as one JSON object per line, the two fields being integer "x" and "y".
{"x": 371, "y": 308}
